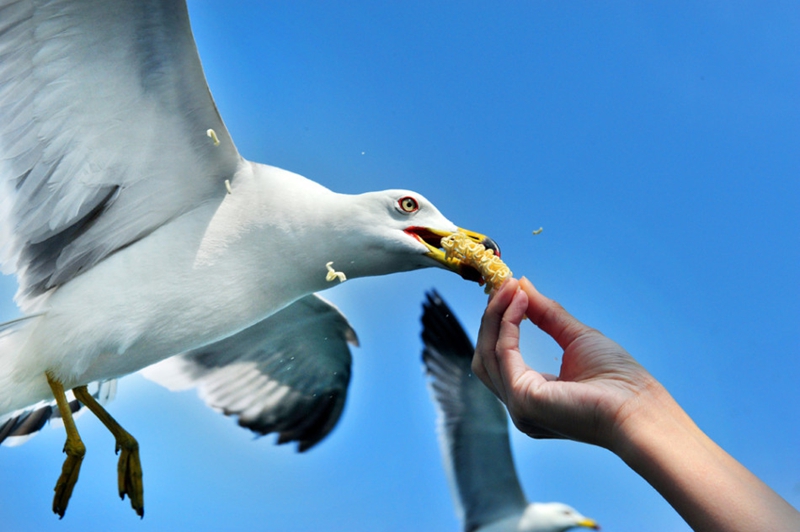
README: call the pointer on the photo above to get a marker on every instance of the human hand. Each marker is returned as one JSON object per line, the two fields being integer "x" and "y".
{"x": 600, "y": 384}
{"x": 603, "y": 396}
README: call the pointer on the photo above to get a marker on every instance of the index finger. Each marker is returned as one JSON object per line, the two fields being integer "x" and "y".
{"x": 484, "y": 362}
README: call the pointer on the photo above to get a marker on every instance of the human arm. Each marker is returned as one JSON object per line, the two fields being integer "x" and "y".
{"x": 604, "y": 397}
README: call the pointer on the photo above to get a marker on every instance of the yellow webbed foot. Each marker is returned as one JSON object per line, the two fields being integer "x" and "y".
{"x": 69, "y": 475}
{"x": 129, "y": 473}
{"x": 129, "y": 467}
{"x": 73, "y": 447}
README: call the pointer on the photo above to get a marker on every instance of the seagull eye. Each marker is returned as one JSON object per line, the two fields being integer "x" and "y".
{"x": 408, "y": 204}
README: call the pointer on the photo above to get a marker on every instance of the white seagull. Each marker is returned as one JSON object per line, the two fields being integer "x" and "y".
{"x": 137, "y": 232}
{"x": 473, "y": 435}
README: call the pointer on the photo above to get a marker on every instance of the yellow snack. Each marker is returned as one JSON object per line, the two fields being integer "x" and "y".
{"x": 460, "y": 247}
{"x": 213, "y": 136}
{"x": 333, "y": 274}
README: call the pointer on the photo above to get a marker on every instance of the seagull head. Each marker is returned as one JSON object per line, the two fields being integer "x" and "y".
{"x": 554, "y": 517}
{"x": 409, "y": 229}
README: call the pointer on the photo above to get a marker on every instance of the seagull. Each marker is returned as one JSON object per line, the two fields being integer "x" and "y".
{"x": 473, "y": 436}
{"x": 137, "y": 232}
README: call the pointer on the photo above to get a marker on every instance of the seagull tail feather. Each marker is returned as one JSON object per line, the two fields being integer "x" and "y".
{"x": 26, "y": 401}
{"x": 18, "y": 427}
{"x": 14, "y": 390}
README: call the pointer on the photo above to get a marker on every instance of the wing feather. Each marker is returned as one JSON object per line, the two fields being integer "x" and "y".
{"x": 287, "y": 374}
{"x": 473, "y": 425}
{"x": 104, "y": 110}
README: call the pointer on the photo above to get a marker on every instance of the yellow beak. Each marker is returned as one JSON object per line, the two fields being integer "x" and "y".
{"x": 432, "y": 239}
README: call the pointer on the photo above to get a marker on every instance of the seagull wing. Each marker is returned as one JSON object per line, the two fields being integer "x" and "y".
{"x": 473, "y": 426}
{"x": 288, "y": 373}
{"x": 104, "y": 119}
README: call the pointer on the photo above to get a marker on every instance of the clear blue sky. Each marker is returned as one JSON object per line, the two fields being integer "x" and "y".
{"x": 658, "y": 147}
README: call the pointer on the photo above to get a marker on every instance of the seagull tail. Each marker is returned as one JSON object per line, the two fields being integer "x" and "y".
{"x": 20, "y": 426}
{"x": 26, "y": 404}
{"x": 16, "y": 391}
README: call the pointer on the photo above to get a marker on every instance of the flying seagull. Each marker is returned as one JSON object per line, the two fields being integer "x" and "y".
{"x": 473, "y": 436}
{"x": 136, "y": 231}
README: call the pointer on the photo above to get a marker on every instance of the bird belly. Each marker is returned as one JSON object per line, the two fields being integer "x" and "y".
{"x": 147, "y": 302}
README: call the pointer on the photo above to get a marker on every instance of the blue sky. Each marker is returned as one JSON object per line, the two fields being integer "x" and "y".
{"x": 657, "y": 146}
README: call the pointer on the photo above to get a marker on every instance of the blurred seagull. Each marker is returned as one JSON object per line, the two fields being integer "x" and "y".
{"x": 136, "y": 232}
{"x": 473, "y": 435}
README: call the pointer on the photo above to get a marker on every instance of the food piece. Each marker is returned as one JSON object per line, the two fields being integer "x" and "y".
{"x": 333, "y": 274}
{"x": 461, "y": 248}
{"x": 213, "y": 136}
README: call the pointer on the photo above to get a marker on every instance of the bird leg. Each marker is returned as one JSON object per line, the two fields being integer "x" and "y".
{"x": 129, "y": 467}
{"x": 73, "y": 447}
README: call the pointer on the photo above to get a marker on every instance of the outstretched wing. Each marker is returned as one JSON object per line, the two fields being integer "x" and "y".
{"x": 287, "y": 374}
{"x": 473, "y": 426}
{"x": 104, "y": 113}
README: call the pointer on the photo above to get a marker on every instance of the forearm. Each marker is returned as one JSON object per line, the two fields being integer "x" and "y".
{"x": 704, "y": 484}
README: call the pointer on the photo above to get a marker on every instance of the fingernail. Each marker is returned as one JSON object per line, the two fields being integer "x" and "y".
{"x": 526, "y": 280}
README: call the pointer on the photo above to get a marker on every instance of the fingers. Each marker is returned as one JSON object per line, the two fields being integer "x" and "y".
{"x": 497, "y": 360}
{"x": 551, "y": 317}
{"x": 484, "y": 363}
{"x": 507, "y": 355}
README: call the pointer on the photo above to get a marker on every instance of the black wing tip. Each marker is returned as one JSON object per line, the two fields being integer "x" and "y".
{"x": 435, "y": 303}
{"x": 25, "y": 424}
{"x": 306, "y": 428}
{"x": 442, "y": 333}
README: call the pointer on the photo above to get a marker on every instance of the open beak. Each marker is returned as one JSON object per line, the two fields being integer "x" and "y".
{"x": 432, "y": 239}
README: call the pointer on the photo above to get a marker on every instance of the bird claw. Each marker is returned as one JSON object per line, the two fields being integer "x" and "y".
{"x": 69, "y": 476}
{"x": 129, "y": 474}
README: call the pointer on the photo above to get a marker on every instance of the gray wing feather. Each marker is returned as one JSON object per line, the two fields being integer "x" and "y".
{"x": 287, "y": 374}
{"x": 473, "y": 425}
{"x": 104, "y": 111}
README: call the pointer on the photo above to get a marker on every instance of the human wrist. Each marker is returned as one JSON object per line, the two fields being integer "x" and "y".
{"x": 705, "y": 485}
{"x": 650, "y": 417}
{"x": 665, "y": 447}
